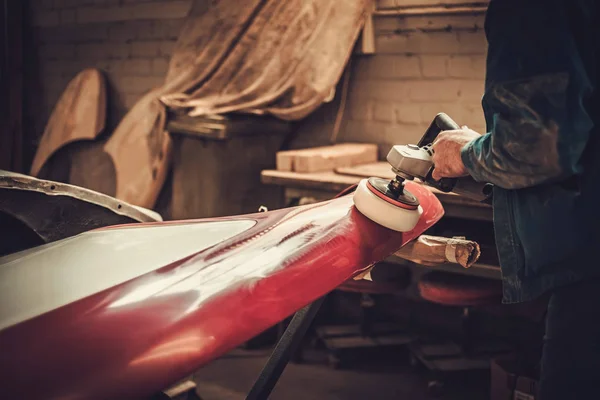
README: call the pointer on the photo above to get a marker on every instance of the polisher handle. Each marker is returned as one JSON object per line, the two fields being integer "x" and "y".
{"x": 467, "y": 186}
{"x": 478, "y": 191}
{"x": 441, "y": 122}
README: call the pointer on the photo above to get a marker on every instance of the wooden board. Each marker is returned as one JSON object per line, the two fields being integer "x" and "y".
{"x": 327, "y": 180}
{"x": 90, "y": 167}
{"x": 326, "y": 158}
{"x": 140, "y": 150}
{"x": 79, "y": 114}
{"x": 378, "y": 169}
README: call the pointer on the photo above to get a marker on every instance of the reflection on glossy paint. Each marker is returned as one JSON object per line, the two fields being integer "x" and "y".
{"x": 48, "y": 277}
{"x": 183, "y": 346}
{"x": 242, "y": 264}
{"x": 145, "y": 291}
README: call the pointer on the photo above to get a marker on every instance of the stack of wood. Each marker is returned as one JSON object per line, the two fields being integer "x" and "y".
{"x": 327, "y": 158}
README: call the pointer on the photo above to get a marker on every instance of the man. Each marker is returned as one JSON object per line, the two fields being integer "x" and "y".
{"x": 542, "y": 153}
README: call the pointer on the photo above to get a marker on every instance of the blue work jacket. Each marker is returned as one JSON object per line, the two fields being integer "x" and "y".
{"x": 542, "y": 146}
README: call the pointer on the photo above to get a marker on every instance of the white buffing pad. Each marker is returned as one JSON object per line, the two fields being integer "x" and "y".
{"x": 386, "y": 214}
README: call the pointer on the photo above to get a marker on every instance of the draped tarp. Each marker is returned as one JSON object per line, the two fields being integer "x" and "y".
{"x": 258, "y": 56}
{"x": 270, "y": 56}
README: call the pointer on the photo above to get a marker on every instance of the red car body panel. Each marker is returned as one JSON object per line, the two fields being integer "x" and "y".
{"x": 142, "y": 335}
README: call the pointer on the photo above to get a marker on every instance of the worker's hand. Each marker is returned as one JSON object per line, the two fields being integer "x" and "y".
{"x": 446, "y": 157}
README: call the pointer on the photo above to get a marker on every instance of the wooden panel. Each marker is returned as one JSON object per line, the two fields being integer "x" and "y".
{"x": 79, "y": 114}
{"x": 316, "y": 180}
{"x": 326, "y": 158}
{"x": 91, "y": 167}
{"x": 379, "y": 170}
{"x": 140, "y": 150}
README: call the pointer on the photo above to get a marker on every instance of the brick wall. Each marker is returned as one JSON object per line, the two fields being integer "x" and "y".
{"x": 130, "y": 40}
{"x": 423, "y": 65}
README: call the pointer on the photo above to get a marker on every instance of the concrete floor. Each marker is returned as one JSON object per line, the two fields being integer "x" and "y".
{"x": 230, "y": 378}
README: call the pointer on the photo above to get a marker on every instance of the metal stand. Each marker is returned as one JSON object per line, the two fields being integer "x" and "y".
{"x": 287, "y": 345}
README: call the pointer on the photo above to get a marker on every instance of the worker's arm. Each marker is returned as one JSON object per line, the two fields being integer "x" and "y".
{"x": 536, "y": 86}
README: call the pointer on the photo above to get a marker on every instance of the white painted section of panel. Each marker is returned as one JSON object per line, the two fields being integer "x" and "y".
{"x": 38, "y": 280}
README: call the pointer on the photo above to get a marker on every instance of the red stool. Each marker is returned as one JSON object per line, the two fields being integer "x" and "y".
{"x": 459, "y": 290}
{"x": 466, "y": 292}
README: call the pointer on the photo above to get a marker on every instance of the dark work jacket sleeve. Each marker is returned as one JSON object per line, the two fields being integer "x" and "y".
{"x": 533, "y": 103}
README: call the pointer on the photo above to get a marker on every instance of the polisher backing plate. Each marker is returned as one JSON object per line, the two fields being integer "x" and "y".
{"x": 398, "y": 218}
{"x": 380, "y": 188}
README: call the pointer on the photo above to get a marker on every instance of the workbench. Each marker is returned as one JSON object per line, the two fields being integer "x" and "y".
{"x": 324, "y": 185}
{"x": 320, "y": 186}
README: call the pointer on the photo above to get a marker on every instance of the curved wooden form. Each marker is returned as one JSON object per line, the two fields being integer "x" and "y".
{"x": 140, "y": 149}
{"x": 123, "y": 312}
{"x": 79, "y": 114}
